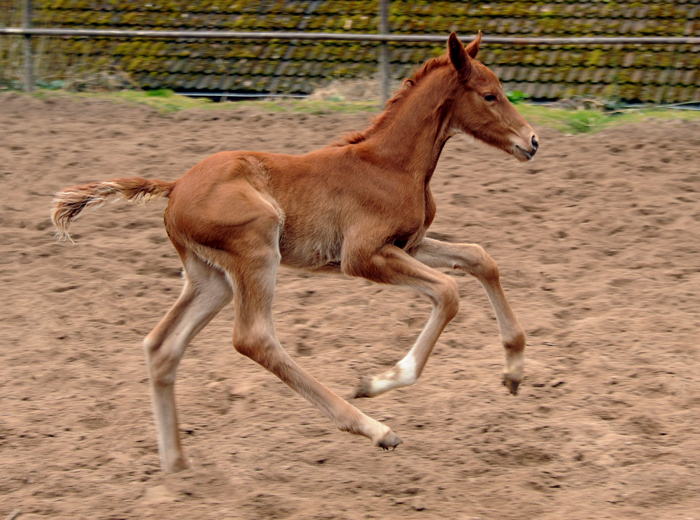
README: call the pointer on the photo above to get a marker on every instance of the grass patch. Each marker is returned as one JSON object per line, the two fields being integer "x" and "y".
{"x": 588, "y": 121}
{"x": 566, "y": 121}
{"x": 165, "y": 101}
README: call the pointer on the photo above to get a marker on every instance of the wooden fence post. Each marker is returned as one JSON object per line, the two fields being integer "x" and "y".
{"x": 384, "y": 51}
{"x": 27, "y": 44}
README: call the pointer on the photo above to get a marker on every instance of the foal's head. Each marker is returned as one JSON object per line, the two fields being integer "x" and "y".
{"x": 481, "y": 108}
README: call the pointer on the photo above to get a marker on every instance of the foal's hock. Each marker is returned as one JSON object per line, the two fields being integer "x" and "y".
{"x": 360, "y": 207}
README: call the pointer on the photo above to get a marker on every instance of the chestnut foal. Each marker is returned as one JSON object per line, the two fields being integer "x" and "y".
{"x": 360, "y": 207}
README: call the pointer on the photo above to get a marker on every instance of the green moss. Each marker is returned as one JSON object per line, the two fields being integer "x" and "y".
{"x": 570, "y": 17}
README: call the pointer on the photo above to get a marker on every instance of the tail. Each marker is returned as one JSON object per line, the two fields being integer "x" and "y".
{"x": 70, "y": 202}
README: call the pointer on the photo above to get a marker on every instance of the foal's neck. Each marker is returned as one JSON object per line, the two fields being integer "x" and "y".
{"x": 415, "y": 128}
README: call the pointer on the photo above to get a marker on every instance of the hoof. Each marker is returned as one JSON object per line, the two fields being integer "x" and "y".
{"x": 511, "y": 384}
{"x": 390, "y": 440}
{"x": 363, "y": 389}
{"x": 180, "y": 464}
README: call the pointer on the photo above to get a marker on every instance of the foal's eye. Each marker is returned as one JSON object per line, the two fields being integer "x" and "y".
{"x": 490, "y": 97}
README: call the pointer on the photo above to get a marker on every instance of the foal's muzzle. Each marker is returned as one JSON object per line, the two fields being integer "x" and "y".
{"x": 527, "y": 153}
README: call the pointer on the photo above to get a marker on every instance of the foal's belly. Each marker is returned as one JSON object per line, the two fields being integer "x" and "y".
{"x": 318, "y": 253}
{"x": 314, "y": 253}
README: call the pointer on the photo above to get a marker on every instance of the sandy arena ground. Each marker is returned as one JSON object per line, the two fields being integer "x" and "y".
{"x": 598, "y": 244}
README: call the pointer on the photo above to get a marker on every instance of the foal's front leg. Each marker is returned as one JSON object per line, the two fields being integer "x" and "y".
{"x": 392, "y": 265}
{"x": 472, "y": 259}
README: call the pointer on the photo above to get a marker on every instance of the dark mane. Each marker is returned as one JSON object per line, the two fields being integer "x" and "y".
{"x": 393, "y": 103}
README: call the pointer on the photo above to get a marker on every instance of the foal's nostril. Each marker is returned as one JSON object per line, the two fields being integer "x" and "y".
{"x": 535, "y": 143}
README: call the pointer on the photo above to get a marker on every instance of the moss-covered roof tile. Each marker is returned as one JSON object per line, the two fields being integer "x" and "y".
{"x": 644, "y": 72}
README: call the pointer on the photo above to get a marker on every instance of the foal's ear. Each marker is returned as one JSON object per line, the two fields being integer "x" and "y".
{"x": 473, "y": 47}
{"x": 458, "y": 56}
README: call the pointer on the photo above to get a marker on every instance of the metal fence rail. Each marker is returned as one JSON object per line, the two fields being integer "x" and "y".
{"x": 428, "y": 38}
{"x": 383, "y": 37}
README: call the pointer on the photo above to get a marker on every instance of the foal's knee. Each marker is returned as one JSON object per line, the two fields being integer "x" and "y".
{"x": 480, "y": 264}
{"x": 484, "y": 266}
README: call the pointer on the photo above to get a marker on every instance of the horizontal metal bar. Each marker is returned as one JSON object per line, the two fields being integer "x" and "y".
{"x": 233, "y": 35}
{"x": 223, "y": 35}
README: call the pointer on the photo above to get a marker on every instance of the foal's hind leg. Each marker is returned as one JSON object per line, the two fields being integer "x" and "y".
{"x": 205, "y": 293}
{"x": 253, "y": 269}
{"x": 475, "y": 261}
